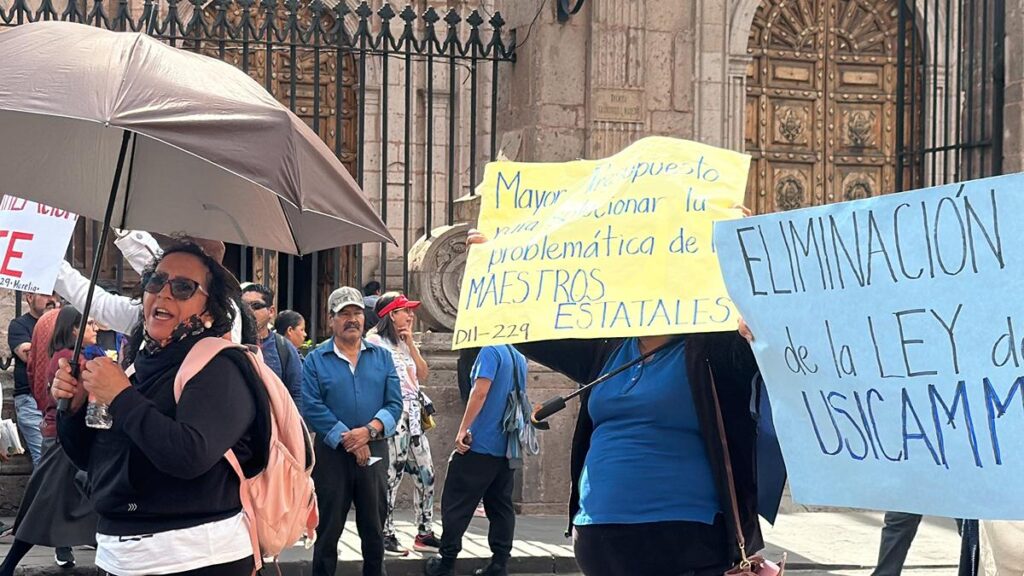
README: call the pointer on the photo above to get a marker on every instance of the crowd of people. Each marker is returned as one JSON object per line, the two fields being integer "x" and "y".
{"x": 155, "y": 494}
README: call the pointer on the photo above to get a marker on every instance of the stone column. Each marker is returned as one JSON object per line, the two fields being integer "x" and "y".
{"x": 542, "y": 97}
{"x": 615, "y": 72}
{"x": 711, "y": 52}
{"x": 736, "y": 102}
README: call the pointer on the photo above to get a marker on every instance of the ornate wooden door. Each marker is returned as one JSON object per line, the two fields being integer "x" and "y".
{"x": 821, "y": 97}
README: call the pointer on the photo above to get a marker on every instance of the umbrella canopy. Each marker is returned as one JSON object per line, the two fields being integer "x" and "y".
{"x": 212, "y": 154}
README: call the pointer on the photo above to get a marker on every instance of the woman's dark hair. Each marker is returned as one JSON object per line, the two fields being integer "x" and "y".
{"x": 386, "y": 326}
{"x": 286, "y": 320}
{"x": 64, "y": 337}
{"x": 222, "y": 289}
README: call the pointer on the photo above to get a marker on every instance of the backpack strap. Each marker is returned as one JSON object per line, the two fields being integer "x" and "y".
{"x": 283, "y": 353}
{"x": 247, "y": 507}
{"x": 197, "y": 358}
{"x": 517, "y": 378}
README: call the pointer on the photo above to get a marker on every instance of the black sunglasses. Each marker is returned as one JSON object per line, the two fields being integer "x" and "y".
{"x": 258, "y": 305}
{"x": 181, "y": 288}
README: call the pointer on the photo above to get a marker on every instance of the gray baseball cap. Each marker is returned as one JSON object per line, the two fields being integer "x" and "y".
{"x": 344, "y": 296}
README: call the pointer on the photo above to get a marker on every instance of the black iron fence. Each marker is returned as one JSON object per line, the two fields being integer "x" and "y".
{"x": 406, "y": 98}
{"x": 952, "y": 82}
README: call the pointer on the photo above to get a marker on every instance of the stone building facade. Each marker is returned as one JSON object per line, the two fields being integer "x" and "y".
{"x": 807, "y": 87}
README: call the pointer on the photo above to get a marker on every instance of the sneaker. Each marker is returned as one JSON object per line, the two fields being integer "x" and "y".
{"x": 426, "y": 543}
{"x": 491, "y": 569}
{"x": 64, "y": 557}
{"x": 393, "y": 548}
{"x": 480, "y": 512}
{"x": 436, "y": 567}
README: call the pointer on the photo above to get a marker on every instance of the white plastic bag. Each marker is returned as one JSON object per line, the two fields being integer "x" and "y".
{"x": 10, "y": 442}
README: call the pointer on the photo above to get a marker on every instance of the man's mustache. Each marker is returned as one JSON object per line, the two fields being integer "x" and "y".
{"x": 354, "y": 325}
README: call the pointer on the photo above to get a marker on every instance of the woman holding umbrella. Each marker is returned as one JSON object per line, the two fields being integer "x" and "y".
{"x": 167, "y": 500}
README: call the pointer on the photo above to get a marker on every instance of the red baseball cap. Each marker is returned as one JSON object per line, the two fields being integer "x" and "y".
{"x": 398, "y": 303}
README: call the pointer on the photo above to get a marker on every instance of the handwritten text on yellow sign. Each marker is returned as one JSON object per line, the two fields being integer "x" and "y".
{"x": 602, "y": 248}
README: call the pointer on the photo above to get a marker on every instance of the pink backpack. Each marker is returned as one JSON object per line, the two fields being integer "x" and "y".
{"x": 279, "y": 502}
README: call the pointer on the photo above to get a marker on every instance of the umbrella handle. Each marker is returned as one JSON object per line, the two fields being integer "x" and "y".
{"x": 64, "y": 404}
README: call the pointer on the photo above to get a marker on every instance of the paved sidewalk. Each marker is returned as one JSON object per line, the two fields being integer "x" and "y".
{"x": 818, "y": 544}
{"x": 849, "y": 540}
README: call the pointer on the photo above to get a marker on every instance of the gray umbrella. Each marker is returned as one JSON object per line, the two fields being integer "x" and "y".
{"x": 197, "y": 145}
{"x": 121, "y": 128}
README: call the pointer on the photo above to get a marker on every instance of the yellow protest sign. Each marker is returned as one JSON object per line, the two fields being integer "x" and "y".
{"x": 602, "y": 248}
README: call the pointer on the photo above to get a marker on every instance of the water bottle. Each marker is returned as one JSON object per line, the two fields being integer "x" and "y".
{"x": 97, "y": 415}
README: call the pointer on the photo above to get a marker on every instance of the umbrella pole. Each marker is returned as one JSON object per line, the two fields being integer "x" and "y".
{"x": 97, "y": 260}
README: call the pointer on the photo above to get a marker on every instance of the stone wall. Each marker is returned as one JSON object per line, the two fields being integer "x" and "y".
{"x": 615, "y": 72}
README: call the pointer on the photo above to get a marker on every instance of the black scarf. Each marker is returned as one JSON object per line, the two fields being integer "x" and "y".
{"x": 154, "y": 365}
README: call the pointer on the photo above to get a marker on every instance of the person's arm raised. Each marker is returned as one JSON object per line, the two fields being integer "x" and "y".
{"x": 120, "y": 313}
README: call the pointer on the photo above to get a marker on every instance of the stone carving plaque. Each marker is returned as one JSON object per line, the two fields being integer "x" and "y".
{"x": 858, "y": 186}
{"x": 435, "y": 275}
{"x": 790, "y": 190}
{"x": 792, "y": 124}
{"x": 861, "y": 128}
{"x": 618, "y": 105}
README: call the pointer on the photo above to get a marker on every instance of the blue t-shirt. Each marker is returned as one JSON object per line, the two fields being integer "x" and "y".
{"x": 647, "y": 461}
{"x": 495, "y": 363}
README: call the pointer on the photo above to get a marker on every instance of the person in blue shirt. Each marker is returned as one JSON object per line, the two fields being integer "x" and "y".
{"x": 352, "y": 400}
{"x": 279, "y": 354}
{"x": 649, "y": 493}
{"x": 479, "y": 468}
{"x": 649, "y": 490}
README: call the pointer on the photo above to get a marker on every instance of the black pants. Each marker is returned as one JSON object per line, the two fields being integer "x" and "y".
{"x": 970, "y": 552}
{"x": 655, "y": 548}
{"x": 472, "y": 477}
{"x": 897, "y": 536}
{"x": 340, "y": 482}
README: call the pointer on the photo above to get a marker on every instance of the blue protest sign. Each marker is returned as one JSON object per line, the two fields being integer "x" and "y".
{"x": 890, "y": 333}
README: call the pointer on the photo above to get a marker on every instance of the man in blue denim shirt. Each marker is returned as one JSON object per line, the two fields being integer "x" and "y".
{"x": 351, "y": 398}
{"x": 278, "y": 353}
